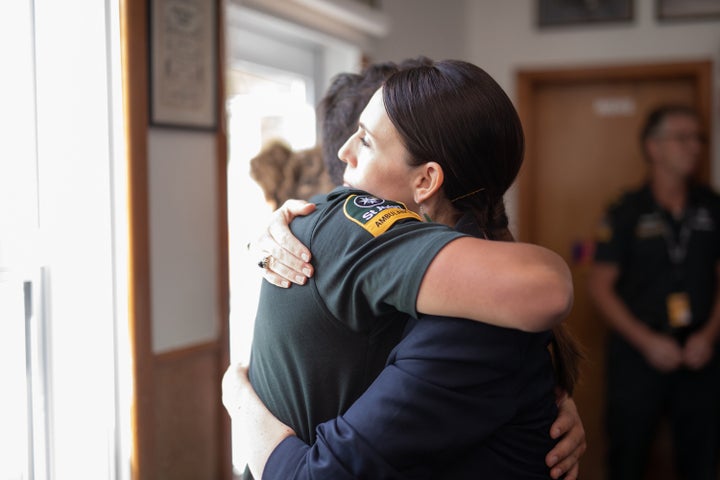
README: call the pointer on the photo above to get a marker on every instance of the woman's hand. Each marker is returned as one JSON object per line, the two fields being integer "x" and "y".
{"x": 285, "y": 259}
{"x": 564, "y": 458}
{"x": 262, "y": 432}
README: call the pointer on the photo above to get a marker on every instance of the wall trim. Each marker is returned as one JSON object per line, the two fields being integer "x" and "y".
{"x": 344, "y": 19}
{"x": 179, "y": 354}
{"x": 133, "y": 26}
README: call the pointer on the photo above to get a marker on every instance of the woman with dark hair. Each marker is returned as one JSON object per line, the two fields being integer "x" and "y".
{"x": 458, "y": 398}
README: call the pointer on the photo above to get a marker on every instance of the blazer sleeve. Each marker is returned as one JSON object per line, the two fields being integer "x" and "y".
{"x": 440, "y": 393}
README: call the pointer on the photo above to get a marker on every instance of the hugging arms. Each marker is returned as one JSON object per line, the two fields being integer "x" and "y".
{"x": 317, "y": 348}
{"x": 412, "y": 429}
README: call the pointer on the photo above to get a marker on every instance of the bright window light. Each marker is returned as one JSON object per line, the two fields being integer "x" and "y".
{"x": 266, "y": 105}
{"x": 61, "y": 234}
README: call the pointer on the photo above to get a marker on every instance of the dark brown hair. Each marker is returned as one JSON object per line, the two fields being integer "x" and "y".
{"x": 454, "y": 113}
{"x": 339, "y": 110}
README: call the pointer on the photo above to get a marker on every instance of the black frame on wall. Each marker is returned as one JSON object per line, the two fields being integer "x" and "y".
{"x": 551, "y": 13}
{"x": 183, "y": 64}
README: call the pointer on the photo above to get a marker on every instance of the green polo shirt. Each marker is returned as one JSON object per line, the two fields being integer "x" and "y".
{"x": 317, "y": 347}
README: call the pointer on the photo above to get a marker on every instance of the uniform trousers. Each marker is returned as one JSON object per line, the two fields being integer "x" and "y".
{"x": 637, "y": 398}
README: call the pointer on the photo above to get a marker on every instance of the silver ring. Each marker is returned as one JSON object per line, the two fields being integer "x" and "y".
{"x": 265, "y": 262}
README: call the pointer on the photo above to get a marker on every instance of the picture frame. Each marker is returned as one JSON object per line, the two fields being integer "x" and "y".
{"x": 183, "y": 64}
{"x": 671, "y": 10}
{"x": 554, "y": 13}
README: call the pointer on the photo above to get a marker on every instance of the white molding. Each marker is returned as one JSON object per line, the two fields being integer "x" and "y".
{"x": 343, "y": 19}
{"x": 362, "y": 17}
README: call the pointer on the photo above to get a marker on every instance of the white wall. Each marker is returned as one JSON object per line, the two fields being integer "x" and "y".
{"x": 502, "y": 36}
{"x": 432, "y": 28}
{"x": 183, "y": 237}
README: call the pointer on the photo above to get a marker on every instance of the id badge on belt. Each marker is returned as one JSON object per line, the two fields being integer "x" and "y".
{"x": 678, "y": 307}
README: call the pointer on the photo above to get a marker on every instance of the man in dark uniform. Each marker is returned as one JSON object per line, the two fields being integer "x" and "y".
{"x": 655, "y": 280}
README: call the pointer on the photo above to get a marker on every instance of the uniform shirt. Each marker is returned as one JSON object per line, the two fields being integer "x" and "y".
{"x": 316, "y": 348}
{"x": 635, "y": 235}
{"x": 458, "y": 400}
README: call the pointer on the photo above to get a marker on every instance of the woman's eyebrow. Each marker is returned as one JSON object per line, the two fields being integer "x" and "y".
{"x": 362, "y": 125}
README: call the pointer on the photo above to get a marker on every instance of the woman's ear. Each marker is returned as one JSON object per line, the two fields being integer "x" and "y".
{"x": 428, "y": 182}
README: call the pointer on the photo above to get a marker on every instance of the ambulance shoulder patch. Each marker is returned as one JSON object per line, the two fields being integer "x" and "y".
{"x": 375, "y": 214}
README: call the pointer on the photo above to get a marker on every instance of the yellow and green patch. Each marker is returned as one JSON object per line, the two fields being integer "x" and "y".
{"x": 375, "y": 214}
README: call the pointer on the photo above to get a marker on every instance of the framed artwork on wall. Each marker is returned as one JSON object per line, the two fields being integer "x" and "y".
{"x": 551, "y": 13}
{"x": 183, "y": 70}
{"x": 687, "y": 9}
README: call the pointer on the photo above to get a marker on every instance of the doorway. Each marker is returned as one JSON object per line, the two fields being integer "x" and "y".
{"x": 263, "y": 104}
{"x": 582, "y": 128}
{"x": 276, "y": 72}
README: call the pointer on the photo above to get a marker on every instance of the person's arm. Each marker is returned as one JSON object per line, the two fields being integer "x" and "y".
{"x": 340, "y": 453}
{"x": 660, "y": 350}
{"x": 262, "y": 430}
{"x": 411, "y": 412}
{"x": 700, "y": 345}
{"x": 508, "y": 284}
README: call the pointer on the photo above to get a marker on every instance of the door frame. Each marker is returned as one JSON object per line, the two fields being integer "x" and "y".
{"x": 529, "y": 81}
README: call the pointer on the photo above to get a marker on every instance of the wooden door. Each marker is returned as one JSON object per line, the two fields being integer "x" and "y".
{"x": 582, "y": 129}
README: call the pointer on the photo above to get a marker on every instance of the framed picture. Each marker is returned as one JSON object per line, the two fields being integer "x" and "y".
{"x": 183, "y": 70}
{"x": 571, "y": 12}
{"x": 688, "y": 9}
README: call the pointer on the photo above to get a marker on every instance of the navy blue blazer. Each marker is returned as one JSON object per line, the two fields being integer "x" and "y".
{"x": 458, "y": 399}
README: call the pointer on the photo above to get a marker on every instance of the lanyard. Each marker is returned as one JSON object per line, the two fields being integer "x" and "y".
{"x": 677, "y": 247}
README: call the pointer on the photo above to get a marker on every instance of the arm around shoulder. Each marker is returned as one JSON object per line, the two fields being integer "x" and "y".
{"x": 508, "y": 284}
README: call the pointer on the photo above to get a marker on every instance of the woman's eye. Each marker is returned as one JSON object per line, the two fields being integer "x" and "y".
{"x": 364, "y": 141}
